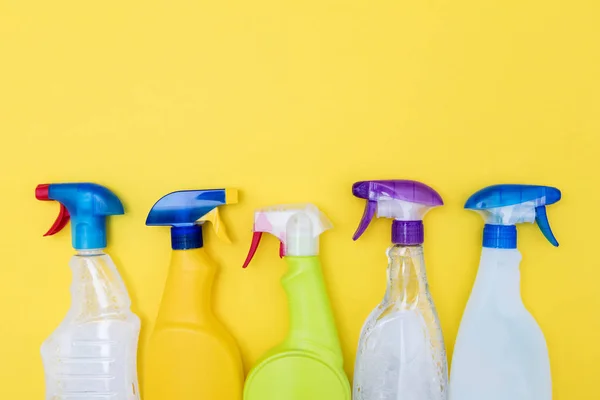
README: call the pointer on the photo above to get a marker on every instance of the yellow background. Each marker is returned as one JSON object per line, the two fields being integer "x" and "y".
{"x": 292, "y": 102}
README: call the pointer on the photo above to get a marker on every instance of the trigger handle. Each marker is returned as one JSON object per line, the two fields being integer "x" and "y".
{"x": 253, "y": 247}
{"x": 42, "y": 192}
{"x": 542, "y": 220}
{"x": 61, "y": 221}
{"x": 219, "y": 227}
{"x": 368, "y": 215}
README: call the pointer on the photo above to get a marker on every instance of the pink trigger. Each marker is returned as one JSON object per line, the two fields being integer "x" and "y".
{"x": 253, "y": 247}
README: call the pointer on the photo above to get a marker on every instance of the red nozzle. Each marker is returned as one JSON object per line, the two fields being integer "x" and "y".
{"x": 281, "y": 250}
{"x": 42, "y": 192}
{"x": 253, "y": 247}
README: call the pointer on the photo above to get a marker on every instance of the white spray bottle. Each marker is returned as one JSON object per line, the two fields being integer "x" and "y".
{"x": 500, "y": 352}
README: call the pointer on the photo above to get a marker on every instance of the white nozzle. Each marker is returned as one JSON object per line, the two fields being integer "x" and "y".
{"x": 510, "y": 215}
{"x": 297, "y": 226}
{"x": 400, "y": 210}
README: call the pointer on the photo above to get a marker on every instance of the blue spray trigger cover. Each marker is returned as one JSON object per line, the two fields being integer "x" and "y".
{"x": 186, "y": 207}
{"x": 512, "y": 204}
{"x": 510, "y": 195}
{"x": 186, "y": 210}
{"x": 87, "y": 205}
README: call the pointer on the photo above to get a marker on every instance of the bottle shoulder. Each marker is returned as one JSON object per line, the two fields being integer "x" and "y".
{"x": 490, "y": 320}
{"x": 73, "y": 321}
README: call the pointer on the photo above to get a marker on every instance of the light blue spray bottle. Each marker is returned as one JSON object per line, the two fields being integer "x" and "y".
{"x": 500, "y": 351}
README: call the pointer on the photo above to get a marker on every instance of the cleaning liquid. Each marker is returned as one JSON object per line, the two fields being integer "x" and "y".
{"x": 500, "y": 351}
{"x": 308, "y": 365}
{"x": 92, "y": 354}
{"x": 401, "y": 352}
{"x": 191, "y": 355}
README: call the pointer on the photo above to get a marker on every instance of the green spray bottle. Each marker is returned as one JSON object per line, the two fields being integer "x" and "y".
{"x": 308, "y": 365}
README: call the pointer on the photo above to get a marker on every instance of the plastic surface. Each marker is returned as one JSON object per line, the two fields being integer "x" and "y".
{"x": 186, "y": 237}
{"x": 87, "y": 205}
{"x": 403, "y": 200}
{"x": 514, "y": 204}
{"x": 187, "y": 208}
{"x": 500, "y": 236}
{"x": 401, "y": 352}
{"x": 309, "y": 363}
{"x": 297, "y": 226}
{"x": 191, "y": 355}
{"x": 500, "y": 351}
{"x": 92, "y": 354}
{"x": 408, "y": 233}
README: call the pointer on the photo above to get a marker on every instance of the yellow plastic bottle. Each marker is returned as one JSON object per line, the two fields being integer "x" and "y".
{"x": 191, "y": 355}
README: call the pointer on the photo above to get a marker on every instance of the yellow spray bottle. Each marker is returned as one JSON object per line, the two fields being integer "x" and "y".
{"x": 191, "y": 356}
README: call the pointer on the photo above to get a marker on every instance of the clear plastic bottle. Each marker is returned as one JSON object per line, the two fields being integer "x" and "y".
{"x": 91, "y": 355}
{"x": 401, "y": 353}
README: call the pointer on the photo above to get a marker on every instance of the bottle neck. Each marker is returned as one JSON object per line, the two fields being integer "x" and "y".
{"x": 407, "y": 279}
{"x": 311, "y": 318}
{"x": 499, "y": 278}
{"x": 186, "y": 237}
{"x": 187, "y": 297}
{"x": 97, "y": 288}
{"x": 500, "y": 236}
{"x": 408, "y": 233}
{"x": 89, "y": 252}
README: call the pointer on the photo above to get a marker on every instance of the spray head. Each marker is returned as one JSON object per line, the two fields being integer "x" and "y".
{"x": 86, "y": 205}
{"x": 185, "y": 211}
{"x": 297, "y": 227}
{"x": 504, "y": 206}
{"x": 405, "y": 201}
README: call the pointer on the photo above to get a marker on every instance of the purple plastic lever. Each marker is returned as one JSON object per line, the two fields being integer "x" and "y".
{"x": 406, "y": 190}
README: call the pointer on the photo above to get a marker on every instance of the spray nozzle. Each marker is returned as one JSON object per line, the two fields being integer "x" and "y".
{"x": 405, "y": 201}
{"x": 507, "y": 205}
{"x": 297, "y": 227}
{"x": 185, "y": 211}
{"x": 87, "y": 205}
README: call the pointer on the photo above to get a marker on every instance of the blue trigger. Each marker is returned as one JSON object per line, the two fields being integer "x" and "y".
{"x": 542, "y": 220}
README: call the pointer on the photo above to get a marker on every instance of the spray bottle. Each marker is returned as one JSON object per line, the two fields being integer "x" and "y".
{"x": 92, "y": 354}
{"x": 401, "y": 352}
{"x": 191, "y": 355}
{"x": 309, "y": 362}
{"x": 500, "y": 350}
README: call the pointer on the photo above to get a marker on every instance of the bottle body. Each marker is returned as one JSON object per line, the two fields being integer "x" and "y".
{"x": 401, "y": 352}
{"x": 309, "y": 363}
{"x": 500, "y": 351}
{"x": 92, "y": 354}
{"x": 190, "y": 354}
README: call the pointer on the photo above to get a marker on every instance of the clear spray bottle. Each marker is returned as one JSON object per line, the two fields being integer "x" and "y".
{"x": 92, "y": 354}
{"x": 401, "y": 353}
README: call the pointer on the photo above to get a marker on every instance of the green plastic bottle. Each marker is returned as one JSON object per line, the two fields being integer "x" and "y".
{"x": 308, "y": 365}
